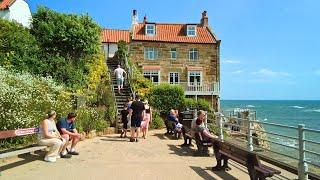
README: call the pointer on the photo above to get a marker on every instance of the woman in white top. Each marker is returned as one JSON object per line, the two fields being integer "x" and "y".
{"x": 50, "y": 136}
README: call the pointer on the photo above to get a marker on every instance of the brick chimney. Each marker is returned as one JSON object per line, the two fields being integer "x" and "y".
{"x": 204, "y": 20}
{"x": 134, "y": 19}
{"x": 145, "y": 19}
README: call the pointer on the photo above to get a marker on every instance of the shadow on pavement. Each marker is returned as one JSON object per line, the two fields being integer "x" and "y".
{"x": 160, "y": 136}
{"x": 26, "y": 158}
{"x": 114, "y": 139}
{"x": 202, "y": 172}
{"x": 181, "y": 151}
{"x": 205, "y": 175}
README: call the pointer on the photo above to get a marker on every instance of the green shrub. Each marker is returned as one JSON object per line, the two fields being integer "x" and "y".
{"x": 165, "y": 97}
{"x": 157, "y": 121}
{"x": 201, "y": 104}
{"x": 24, "y": 101}
{"x": 89, "y": 119}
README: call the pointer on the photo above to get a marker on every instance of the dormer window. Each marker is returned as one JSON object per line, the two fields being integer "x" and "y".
{"x": 191, "y": 30}
{"x": 150, "y": 29}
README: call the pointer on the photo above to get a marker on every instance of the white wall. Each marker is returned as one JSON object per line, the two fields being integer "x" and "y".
{"x": 5, "y": 14}
{"x": 20, "y": 12}
{"x": 113, "y": 48}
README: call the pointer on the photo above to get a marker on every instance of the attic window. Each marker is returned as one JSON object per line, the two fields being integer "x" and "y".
{"x": 150, "y": 29}
{"x": 191, "y": 30}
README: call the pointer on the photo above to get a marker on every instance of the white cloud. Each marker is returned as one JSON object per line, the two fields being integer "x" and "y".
{"x": 270, "y": 73}
{"x": 237, "y": 72}
{"x": 231, "y": 62}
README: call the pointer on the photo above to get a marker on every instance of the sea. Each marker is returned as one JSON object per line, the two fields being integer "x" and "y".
{"x": 285, "y": 112}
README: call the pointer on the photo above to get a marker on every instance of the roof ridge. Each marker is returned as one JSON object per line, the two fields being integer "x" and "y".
{"x": 171, "y": 23}
{"x": 116, "y": 29}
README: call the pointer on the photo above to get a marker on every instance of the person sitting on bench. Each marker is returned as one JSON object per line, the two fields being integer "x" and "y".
{"x": 50, "y": 136}
{"x": 172, "y": 120}
{"x": 200, "y": 127}
{"x": 68, "y": 130}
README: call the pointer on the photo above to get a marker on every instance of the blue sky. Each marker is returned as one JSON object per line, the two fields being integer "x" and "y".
{"x": 270, "y": 48}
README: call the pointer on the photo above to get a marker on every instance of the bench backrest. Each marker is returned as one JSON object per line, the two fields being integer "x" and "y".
{"x": 18, "y": 132}
{"x": 240, "y": 153}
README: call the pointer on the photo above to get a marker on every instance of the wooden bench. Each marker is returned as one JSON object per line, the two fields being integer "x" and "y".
{"x": 224, "y": 151}
{"x": 202, "y": 145}
{"x": 17, "y": 133}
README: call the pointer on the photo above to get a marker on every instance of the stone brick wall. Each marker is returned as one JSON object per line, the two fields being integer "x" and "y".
{"x": 208, "y": 59}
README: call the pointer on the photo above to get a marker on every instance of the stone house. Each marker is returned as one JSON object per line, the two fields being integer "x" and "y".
{"x": 181, "y": 54}
{"x": 110, "y": 38}
{"x": 16, "y": 10}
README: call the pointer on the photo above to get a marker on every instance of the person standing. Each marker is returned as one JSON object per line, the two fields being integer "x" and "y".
{"x": 68, "y": 131}
{"x": 146, "y": 120}
{"x": 49, "y": 136}
{"x": 124, "y": 119}
{"x": 137, "y": 114}
{"x": 119, "y": 77}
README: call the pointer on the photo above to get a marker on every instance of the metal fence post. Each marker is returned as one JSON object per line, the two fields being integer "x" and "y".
{"x": 302, "y": 166}
{"x": 221, "y": 126}
{"x": 206, "y": 120}
{"x": 250, "y": 144}
{"x": 195, "y": 115}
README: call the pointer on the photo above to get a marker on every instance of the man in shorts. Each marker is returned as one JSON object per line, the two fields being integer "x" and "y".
{"x": 119, "y": 77}
{"x": 68, "y": 131}
{"x": 137, "y": 114}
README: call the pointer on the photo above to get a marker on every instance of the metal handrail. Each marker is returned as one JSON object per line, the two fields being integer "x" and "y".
{"x": 300, "y": 130}
{"x": 274, "y": 124}
{"x": 113, "y": 95}
{"x": 276, "y": 134}
{"x": 276, "y": 143}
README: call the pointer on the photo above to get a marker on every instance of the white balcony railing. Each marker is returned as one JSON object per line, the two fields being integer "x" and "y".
{"x": 197, "y": 88}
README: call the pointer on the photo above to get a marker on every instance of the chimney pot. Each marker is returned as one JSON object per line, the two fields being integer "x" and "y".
{"x": 145, "y": 19}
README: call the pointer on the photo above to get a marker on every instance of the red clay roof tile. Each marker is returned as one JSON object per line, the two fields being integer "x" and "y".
{"x": 5, "y": 4}
{"x": 173, "y": 33}
{"x": 114, "y": 35}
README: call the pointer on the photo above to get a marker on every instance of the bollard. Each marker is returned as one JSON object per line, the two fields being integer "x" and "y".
{"x": 221, "y": 126}
{"x": 250, "y": 144}
{"x": 302, "y": 166}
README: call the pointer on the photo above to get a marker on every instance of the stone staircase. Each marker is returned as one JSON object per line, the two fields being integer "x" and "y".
{"x": 126, "y": 92}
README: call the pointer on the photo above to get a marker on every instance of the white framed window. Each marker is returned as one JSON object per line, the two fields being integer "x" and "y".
{"x": 153, "y": 75}
{"x": 150, "y": 53}
{"x": 173, "y": 53}
{"x": 150, "y": 29}
{"x": 191, "y": 30}
{"x": 174, "y": 78}
{"x": 193, "y": 54}
{"x": 194, "y": 78}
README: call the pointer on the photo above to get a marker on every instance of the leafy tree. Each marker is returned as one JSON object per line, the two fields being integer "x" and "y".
{"x": 68, "y": 35}
{"x": 122, "y": 51}
{"x": 70, "y": 46}
{"x": 18, "y": 48}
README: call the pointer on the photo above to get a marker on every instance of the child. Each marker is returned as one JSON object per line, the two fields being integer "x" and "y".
{"x": 124, "y": 120}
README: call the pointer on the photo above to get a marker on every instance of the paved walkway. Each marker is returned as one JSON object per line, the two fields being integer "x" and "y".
{"x": 110, "y": 157}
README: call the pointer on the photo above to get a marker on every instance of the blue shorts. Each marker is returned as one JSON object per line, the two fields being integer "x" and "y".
{"x": 135, "y": 123}
{"x": 120, "y": 81}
